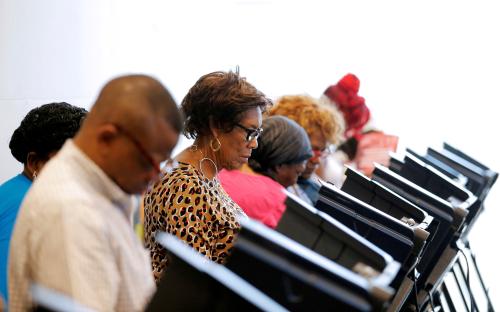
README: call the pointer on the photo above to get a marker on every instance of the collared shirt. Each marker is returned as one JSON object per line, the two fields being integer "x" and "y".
{"x": 73, "y": 235}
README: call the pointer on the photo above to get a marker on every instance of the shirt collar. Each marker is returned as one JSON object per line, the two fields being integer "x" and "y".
{"x": 96, "y": 178}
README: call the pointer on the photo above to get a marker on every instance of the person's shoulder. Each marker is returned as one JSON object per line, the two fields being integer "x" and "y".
{"x": 254, "y": 182}
{"x": 16, "y": 182}
{"x": 230, "y": 177}
{"x": 272, "y": 189}
{"x": 13, "y": 191}
{"x": 182, "y": 178}
{"x": 232, "y": 173}
{"x": 183, "y": 173}
{"x": 45, "y": 213}
{"x": 54, "y": 197}
{"x": 268, "y": 182}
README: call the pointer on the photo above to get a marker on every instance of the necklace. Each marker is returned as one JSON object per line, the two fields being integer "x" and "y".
{"x": 214, "y": 186}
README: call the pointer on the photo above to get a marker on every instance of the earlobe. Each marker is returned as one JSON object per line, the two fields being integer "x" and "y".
{"x": 215, "y": 143}
{"x": 32, "y": 162}
{"x": 107, "y": 133}
{"x": 213, "y": 129}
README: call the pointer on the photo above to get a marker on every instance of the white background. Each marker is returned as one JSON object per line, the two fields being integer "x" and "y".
{"x": 429, "y": 70}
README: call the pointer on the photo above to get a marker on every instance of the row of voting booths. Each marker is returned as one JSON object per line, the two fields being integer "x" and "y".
{"x": 397, "y": 241}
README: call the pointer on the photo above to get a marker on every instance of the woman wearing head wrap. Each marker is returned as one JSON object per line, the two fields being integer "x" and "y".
{"x": 282, "y": 152}
{"x": 362, "y": 146}
{"x": 344, "y": 95}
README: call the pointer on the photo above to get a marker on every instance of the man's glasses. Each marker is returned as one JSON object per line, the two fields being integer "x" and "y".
{"x": 317, "y": 154}
{"x": 147, "y": 156}
{"x": 251, "y": 133}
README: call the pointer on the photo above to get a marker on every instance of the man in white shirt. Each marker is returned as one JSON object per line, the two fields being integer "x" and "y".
{"x": 73, "y": 234}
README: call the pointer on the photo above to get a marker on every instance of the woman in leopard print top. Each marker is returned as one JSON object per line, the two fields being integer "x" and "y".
{"x": 223, "y": 114}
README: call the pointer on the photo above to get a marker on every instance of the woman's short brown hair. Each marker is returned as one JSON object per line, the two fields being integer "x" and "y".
{"x": 221, "y": 98}
{"x": 311, "y": 115}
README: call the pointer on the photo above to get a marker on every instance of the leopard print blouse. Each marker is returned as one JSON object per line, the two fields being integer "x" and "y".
{"x": 195, "y": 209}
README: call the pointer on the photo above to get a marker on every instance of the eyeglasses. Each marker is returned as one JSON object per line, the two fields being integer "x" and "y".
{"x": 317, "y": 154}
{"x": 251, "y": 133}
{"x": 140, "y": 148}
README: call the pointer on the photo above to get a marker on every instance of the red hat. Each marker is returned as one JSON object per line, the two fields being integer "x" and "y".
{"x": 345, "y": 96}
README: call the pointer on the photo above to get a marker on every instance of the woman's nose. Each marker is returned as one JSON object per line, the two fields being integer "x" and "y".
{"x": 253, "y": 144}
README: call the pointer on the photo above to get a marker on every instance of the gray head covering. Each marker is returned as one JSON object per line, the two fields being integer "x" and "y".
{"x": 282, "y": 142}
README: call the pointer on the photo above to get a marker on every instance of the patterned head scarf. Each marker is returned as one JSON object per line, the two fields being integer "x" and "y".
{"x": 282, "y": 142}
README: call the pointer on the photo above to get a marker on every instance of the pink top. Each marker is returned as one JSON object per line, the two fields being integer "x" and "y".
{"x": 260, "y": 197}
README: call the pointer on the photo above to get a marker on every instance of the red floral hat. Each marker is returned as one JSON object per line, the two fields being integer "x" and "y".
{"x": 345, "y": 96}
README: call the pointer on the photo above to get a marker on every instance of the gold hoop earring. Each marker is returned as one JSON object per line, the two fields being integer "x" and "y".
{"x": 218, "y": 144}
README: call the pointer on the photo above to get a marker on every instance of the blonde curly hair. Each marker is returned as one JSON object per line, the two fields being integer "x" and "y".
{"x": 311, "y": 115}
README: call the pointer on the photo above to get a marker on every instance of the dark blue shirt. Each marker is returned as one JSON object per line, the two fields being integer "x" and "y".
{"x": 11, "y": 195}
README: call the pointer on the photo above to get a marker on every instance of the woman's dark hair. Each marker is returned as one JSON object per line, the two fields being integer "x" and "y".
{"x": 282, "y": 142}
{"x": 222, "y": 98}
{"x": 44, "y": 130}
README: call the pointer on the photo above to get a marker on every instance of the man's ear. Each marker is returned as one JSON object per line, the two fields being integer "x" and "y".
{"x": 107, "y": 133}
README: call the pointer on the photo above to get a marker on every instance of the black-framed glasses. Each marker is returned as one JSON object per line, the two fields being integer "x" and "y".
{"x": 251, "y": 133}
{"x": 140, "y": 148}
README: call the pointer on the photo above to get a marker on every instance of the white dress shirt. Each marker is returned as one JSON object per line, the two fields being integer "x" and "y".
{"x": 73, "y": 235}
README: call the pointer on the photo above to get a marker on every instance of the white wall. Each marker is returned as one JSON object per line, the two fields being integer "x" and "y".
{"x": 429, "y": 70}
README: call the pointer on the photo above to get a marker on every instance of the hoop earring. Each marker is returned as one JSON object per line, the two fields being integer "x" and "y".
{"x": 213, "y": 164}
{"x": 34, "y": 174}
{"x": 218, "y": 145}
